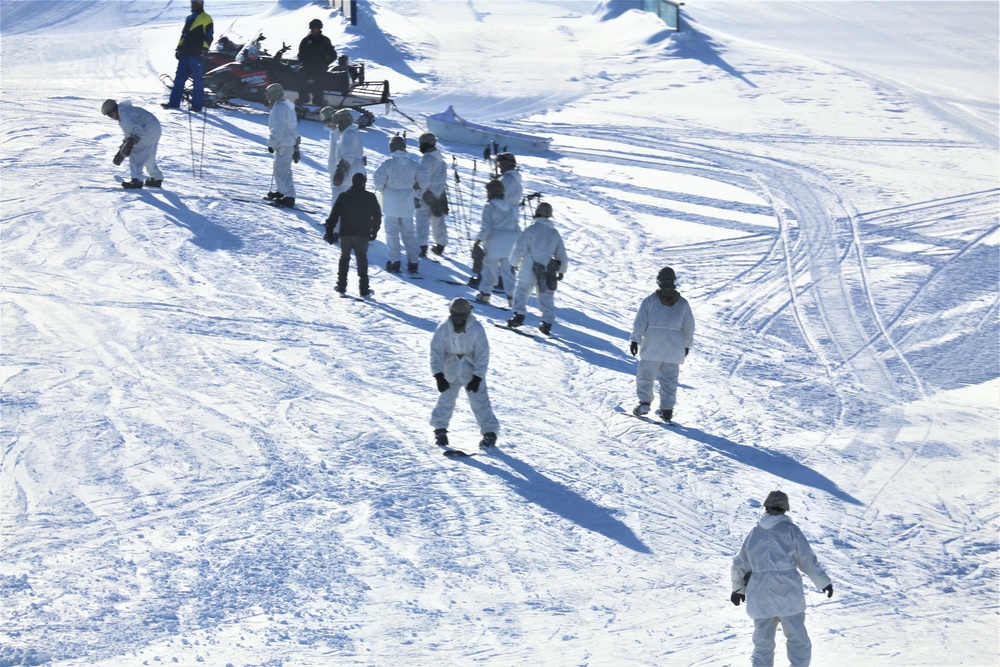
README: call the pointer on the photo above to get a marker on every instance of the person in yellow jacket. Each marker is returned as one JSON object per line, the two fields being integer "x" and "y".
{"x": 196, "y": 38}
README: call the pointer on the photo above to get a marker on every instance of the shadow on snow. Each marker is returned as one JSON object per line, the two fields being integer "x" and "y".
{"x": 559, "y": 499}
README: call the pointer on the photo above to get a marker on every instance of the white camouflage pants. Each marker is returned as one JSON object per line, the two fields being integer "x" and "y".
{"x": 666, "y": 373}
{"x": 143, "y": 156}
{"x": 798, "y": 646}
{"x": 430, "y": 226}
{"x": 478, "y": 400}
{"x": 396, "y": 227}
{"x": 493, "y": 269}
{"x": 526, "y": 284}
{"x": 283, "y": 171}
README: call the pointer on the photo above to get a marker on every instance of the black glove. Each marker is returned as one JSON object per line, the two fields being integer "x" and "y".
{"x": 127, "y": 145}
{"x": 338, "y": 176}
{"x": 474, "y": 383}
{"x": 295, "y": 155}
{"x": 270, "y": 150}
{"x": 829, "y": 591}
{"x": 737, "y": 598}
{"x": 442, "y": 383}
{"x": 118, "y": 158}
{"x": 331, "y": 236}
{"x": 633, "y": 348}
{"x": 177, "y": 54}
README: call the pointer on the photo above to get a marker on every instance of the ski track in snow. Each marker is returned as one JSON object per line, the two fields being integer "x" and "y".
{"x": 209, "y": 458}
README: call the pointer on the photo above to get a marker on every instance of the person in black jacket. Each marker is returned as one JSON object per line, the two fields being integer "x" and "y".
{"x": 359, "y": 217}
{"x": 316, "y": 53}
{"x": 196, "y": 38}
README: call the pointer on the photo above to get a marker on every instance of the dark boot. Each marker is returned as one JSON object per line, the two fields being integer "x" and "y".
{"x": 273, "y": 195}
{"x": 437, "y": 249}
{"x": 441, "y": 437}
{"x": 545, "y": 328}
{"x": 641, "y": 410}
{"x": 412, "y": 267}
{"x": 134, "y": 184}
{"x": 516, "y": 321}
{"x": 153, "y": 182}
{"x": 392, "y": 267}
{"x": 489, "y": 440}
{"x": 666, "y": 414}
{"x": 423, "y": 251}
{"x": 474, "y": 281}
{"x": 285, "y": 202}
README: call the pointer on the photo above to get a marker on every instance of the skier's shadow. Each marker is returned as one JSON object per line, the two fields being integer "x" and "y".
{"x": 207, "y": 234}
{"x": 776, "y": 463}
{"x": 559, "y": 499}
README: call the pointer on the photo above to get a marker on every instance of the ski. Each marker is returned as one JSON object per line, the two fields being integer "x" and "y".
{"x": 458, "y": 453}
{"x": 649, "y": 420}
{"x": 362, "y": 299}
{"x": 273, "y": 205}
{"x": 453, "y": 282}
{"x": 503, "y": 325}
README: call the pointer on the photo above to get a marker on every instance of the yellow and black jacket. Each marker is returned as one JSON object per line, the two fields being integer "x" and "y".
{"x": 196, "y": 35}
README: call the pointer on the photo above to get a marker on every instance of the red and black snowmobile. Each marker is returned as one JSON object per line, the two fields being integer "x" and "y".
{"x": 253, "y": 70}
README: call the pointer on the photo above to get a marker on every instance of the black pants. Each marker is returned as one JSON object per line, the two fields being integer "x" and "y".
{"x": 312, "y": 86}
{"x": 359, "y": 245}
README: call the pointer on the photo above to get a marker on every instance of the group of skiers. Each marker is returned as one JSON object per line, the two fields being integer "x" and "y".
{"x": 413, "y": 211}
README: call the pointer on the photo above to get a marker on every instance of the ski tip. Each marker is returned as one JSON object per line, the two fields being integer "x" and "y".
{"x": 456, "y": 453}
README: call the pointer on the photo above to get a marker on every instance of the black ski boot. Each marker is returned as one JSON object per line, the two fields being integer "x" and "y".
{"x": 441, "y": 437}
{"x": 134, "y": 184}
{"x": 412, "y": 268}
{"x": 423, "y": 251}
{"x": 153, "y": 182}
{"x": 641, "y": 410}
{"x": 545, "y": 328}
{"x": 392, "y": 267}
{"x": 285, "y": 202}
{"x": 273, "y": 196}
{"x": 489, "y": 440}
{"x": 516, "y": 321}
{"x": 474, "y": 281}
{"x": 437, "y": 249}
{"x": 667, "y": 414}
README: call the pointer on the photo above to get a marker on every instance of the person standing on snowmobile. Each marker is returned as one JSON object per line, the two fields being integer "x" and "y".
{"x": 142, "y": 136}
{"x": 662, "y": 336}
{"x": 396, "y": 179}
{"x": 316, "y": 54}
{"x": 765, "y": 576}
{"x": 359, "y": 218}
{"x": 541, "y": 256}
{"x": 497, "y": 236}
{"x": 460, "y": 357}
{"x": 283, "y": 143}
{"x": 192, "y": 49}
{"x": 347, "y": 153}
{"x": 432, "y": 202}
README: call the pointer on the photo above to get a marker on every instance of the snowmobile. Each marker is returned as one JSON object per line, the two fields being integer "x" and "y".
{"x": 254, "y": 70}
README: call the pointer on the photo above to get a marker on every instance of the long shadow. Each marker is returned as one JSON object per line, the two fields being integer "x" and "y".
{"x": 699, "y": 46}
{"x": 559, "y": 499}
{"x": 207, "y": 234}
{"x": 770, "y": 461}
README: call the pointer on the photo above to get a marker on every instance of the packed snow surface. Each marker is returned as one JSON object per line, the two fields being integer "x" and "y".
{"x": 209, "y": 458}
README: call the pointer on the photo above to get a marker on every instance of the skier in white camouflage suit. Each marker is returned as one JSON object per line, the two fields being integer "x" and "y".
{"x": 460, "y": 357}
{"x": 497, "y": 236}
{"x": 347, "y": 153}
{"x": 283, "y": 143}
{"x": 765, "y": 576}
{"x": 662, "y": 336}
{"x": 432, "y": 202}
{"x": 396, "y": 179}
{"x": 541, "y": 256}
{"x": 142, "y": 136}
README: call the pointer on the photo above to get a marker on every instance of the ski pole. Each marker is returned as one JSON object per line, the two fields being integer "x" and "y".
{"x": 191, "y": 142}
{"x": 201, "y": 160}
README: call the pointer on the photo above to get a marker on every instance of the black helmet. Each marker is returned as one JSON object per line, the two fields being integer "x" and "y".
{"x": 543, "y": 210}
{"x": 316, "y": 23}
{"x": 109, "y": 107}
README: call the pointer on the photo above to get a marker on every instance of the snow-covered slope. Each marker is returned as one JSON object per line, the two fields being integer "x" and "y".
{"x": 210, "y": 459}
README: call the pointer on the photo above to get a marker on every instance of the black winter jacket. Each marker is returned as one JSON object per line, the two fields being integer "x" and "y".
{"x": 358, "y": 213}
{"x": 316, "y": 53}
